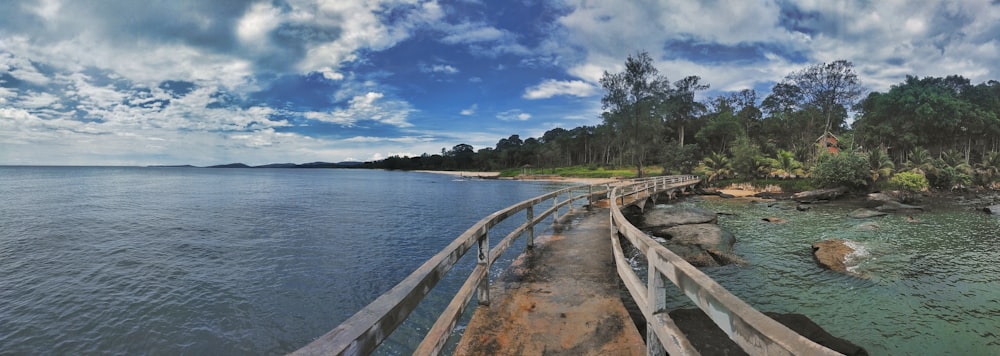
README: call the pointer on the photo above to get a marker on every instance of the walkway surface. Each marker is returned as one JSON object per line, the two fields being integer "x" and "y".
{"x": 560, "y": 298}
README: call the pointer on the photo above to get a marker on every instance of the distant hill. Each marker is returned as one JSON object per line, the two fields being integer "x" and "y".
{"x": 231, "y": 165}
{"x": 290, "y": 165}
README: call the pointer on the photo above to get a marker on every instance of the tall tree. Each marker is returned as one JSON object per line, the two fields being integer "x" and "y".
{"x": 681, "y": 104}
{"x": 631, "y": 97}
{"x": 832, "y": 88}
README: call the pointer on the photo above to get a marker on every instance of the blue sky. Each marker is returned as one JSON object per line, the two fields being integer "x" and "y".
{"x": 208, "y": 82}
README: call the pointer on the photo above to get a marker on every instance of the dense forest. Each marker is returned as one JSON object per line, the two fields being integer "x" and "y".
{"x": 924, "y": 132}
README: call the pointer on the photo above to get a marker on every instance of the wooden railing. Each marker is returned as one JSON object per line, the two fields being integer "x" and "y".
{"x": 362, "y": 333}
{"x": 754, "y": 332}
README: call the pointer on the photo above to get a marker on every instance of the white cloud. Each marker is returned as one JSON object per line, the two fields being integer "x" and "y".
{"x": 552, "y": 87}
{"x": 466, "y": 33}
{"x": 513, "y": 115}
{"x": 438, "y": 68}
{"x": 368, "y": 107}
{"x": 39, "y": 100}
{"x": 256, "y": 24}
{"x": 470, "y": 110}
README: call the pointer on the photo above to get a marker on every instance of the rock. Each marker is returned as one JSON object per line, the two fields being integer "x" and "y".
{"x": 832, "y": 254}
{"x": 774, "y": 220}
{"x": 802, "y": 207}
{"x": 702, "y": 245}
{"x": 860, "y": 213}
{"x": 667, "y": 217}
{"x": 868, "y": 226}
{"x": 780, "y": 205}
{"x": 819, "y": 194}
{"x": 992, "y": 209}
{"x": 895, "y": 206}
{"x": 771, "y": 195}
{"x": 879, "y": 198}
{"x": 704, "y": 235}
{"x": 709, "y": 339}
{"x": 804, "y": 326}
{"x": 726, "y": 196}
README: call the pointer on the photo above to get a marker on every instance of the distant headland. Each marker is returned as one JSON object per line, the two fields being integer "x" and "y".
{"x": 273, "y": 165}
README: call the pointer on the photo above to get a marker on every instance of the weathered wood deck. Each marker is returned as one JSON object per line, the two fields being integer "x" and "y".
{"x": 560, "y": 298}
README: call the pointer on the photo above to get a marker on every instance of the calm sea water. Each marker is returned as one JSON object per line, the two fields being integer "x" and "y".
{"x": 220, "y": 261}
{"x": 931, "y": 288}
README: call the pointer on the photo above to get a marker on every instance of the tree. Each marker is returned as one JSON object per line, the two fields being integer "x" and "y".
{"x": 847, "y": 168}
{"x": 785, "y": 165}
{"x": 631, "y": 98}
{"x": 747, "y": 159}
{"x": 682, "y": 106}
{"x": 830, "y": 87}
{"x": 715, "y": 166}
{"x": 879, "y": 165}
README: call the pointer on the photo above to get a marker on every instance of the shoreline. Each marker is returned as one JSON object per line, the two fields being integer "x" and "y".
{"x": 496, "y": 175}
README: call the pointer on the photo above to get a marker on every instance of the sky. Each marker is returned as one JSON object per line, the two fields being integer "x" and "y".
{"x": 123, "y": 82}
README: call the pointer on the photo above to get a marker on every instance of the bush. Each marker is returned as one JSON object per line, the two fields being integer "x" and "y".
{"x": 911, "y": 181}
{"x": 848, "y": 169}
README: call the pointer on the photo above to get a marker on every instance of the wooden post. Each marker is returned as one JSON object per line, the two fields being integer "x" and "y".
{"x": 656, "y": 296}
{"x": 483, "y": 292}
{"x": 555, "y": 214}
{"x": 590, "y": 197}
{"x": 531, "y": 229}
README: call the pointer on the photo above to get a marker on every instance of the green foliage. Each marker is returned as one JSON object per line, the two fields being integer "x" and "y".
{"x": 880, "y": 165}
{"x": 784, "y": 165}
{"x": 747, "y": 159}
{"x": 909, "y": 180}
{"x": 847, "y": 168}
{"x": 988, "y": 171}
{"x": 714, "y": 167}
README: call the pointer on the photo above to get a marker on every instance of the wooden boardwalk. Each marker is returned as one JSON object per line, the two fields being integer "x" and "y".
{"x": 560, "y": 298}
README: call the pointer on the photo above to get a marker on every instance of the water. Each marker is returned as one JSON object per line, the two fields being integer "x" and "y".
{"x": 221, "y": 261}
{"x": 931, "y": 288}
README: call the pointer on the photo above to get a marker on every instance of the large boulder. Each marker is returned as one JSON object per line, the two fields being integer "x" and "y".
{"x": 673, "y": 216}
{"x": 709, "y": 339}
{"x": 702, "y": 245}
{"x": 833, "y": 254}
{"x": 704, "y": 235}
{"x": 992, "y": 209}
{"x": 860, "y": 213}
{"x": 819, "y": 194}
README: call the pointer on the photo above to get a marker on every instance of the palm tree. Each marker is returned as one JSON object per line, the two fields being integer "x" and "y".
{"x": 989, "y": 169}
{"x": 955, "y": 159}
{"x": 880, "y": 164}
{"x": 920, "y": 161}
{"x": 715, "y": 166}
{"x": 784, "y": 165}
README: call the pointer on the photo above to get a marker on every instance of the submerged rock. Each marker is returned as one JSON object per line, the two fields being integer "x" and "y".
{"x": 774, "y": 220}
{"x": 819, "y": 194}
{"x": 895, "y": 206}
{"x": 861, "y": 213}
{"x": 992, "y": 209}
{"x": 868, "y": 226}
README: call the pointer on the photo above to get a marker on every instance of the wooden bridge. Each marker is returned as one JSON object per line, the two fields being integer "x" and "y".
{"x": 563, "y": 295}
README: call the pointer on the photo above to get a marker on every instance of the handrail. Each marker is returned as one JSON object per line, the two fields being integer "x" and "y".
{"x": 753, "y": 331}
{"x": 362, "y": 333}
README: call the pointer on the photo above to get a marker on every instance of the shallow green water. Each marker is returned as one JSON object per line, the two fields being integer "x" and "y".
{"x": 930, "y": 288}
